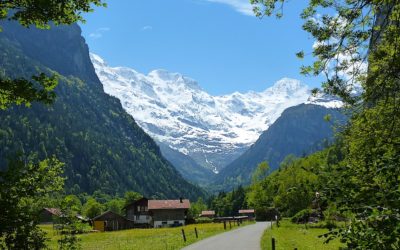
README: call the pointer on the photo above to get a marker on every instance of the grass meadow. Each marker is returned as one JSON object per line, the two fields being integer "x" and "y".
{"x": 143, "y": 239}
{"x": 290, "y": 236}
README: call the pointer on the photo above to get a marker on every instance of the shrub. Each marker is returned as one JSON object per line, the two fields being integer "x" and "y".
{"x": 303, "y": 216}
{"x": 266, "y": 214}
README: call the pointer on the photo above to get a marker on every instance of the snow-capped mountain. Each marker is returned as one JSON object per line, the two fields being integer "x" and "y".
{"x": 213, "y": 130}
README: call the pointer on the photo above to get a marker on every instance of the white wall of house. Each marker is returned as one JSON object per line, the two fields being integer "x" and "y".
{"x": 168, "y": 223}
{"x": 142, "y": 219}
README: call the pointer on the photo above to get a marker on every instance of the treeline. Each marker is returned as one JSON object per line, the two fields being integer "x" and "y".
{"x": 297, "y": 187}
{"x": 224, "y": 204}
{"x": 91, "y": 206}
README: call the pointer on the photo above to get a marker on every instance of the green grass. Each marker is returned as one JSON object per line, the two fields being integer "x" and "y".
{"x": 154, "y": 239}
{"x": 290, "y": 236}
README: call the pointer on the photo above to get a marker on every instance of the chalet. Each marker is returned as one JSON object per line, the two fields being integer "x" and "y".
{"x": 208, "y": 214}
{"x": 138, "y": 211}
{"x": 110, "y": 221}
{"x": 158, "y": 213}
{"x": 250, "y": 213}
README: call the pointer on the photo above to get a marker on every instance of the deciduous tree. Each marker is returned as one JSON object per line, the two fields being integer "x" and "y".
{"x": 358, "y": 43}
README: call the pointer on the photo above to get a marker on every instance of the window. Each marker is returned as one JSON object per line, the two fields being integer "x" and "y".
{"x": 164, "y": 223}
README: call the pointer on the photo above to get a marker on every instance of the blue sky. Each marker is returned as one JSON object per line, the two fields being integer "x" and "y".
{"x": 219, "y": 43}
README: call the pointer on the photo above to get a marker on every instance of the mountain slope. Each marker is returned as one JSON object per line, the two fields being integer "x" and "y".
{"x": 174, "y": 110}
{"x": 101, "y": 144}
{"x": 187, "y": 167}
{"x": 300, "y": 130}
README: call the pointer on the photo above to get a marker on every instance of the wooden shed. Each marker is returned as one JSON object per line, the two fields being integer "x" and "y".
{"x": 49, "y": 215}
{"x": 110, "y": 221}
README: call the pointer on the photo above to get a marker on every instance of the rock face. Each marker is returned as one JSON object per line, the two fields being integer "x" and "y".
{"x": 71, "y": 59}
{"x": 212, "y": 130}
{"x": 102, "y": 146}
{"x": 299, "y": 131}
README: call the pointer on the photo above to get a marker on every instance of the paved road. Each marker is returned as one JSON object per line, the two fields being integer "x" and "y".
{"x": 244, "y": 238}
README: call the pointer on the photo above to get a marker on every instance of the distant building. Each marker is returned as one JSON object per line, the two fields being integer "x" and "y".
{"x": 158, "y": 213}
{"x": 52, "y": 215}
{"x": 208, "y": 214}
{"x": 247, "y": 212}
{"x": 110, "y": 221}
{"x": 49, "y": 215}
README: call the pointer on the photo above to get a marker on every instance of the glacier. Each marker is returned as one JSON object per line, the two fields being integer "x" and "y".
{"x": 213, "y": 130}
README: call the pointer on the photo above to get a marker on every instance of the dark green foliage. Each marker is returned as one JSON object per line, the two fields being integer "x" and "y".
{"x": 300, "y": 130}
{"x": 22, "y": 185}
{"x": 196, "y": 208}
{"x": 100, "y": 144}
{"x": 229, "y": 204}
{"x": 92, "y": 208}
{"x": 302, "y": 216}
{"x": 71, "y": 202}
{"x": 116, "y": 205}
{"x": 365, "y": 184}
{"x": 22, "y": 91}
{"x": 131, "y": 196}
{"x": 266, "y": 214}
{"x": 291, "y": 188}
{"x": 40, "y": 13}
{"x": 68, "y": 225}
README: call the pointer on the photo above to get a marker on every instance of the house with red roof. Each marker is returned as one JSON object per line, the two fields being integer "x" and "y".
{"x": 158, "y": 213}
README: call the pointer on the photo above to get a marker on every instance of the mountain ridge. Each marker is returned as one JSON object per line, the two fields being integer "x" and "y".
{"x": 174, "y": 110}
{"x": 299, "y": 131}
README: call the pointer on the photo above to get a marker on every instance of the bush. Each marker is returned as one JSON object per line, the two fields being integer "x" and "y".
{"x": 266, "y": 214}
{"x": 304, "y": 216}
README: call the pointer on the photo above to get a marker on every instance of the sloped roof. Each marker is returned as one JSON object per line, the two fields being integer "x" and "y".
{"x": 168, "y": 204}
{"x": 207, "y": 212}
{"x": 53, "y": 211}
{"x": 246, "y": 211}
{"x": 99, "y": 217}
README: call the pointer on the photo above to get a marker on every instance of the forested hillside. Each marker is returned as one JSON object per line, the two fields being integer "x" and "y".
{"x": 100, "y": 144}
{"x": 300, "y": 130}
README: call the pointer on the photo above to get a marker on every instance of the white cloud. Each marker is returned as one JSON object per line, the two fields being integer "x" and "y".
{"x": 99, "y": 32}
{"x": 147, "y": 27}
{"x": 242, "y": 6}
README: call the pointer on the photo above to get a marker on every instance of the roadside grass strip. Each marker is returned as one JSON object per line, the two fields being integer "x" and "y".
{"x": 290, "y": 236}
{"x": 143, "y": 239}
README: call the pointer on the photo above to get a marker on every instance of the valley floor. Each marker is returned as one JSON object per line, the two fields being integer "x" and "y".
{"x": 143, "y": 239}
